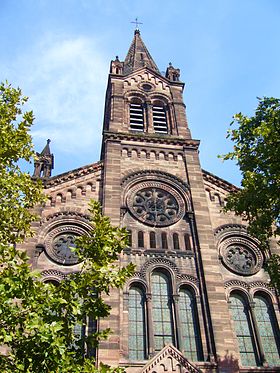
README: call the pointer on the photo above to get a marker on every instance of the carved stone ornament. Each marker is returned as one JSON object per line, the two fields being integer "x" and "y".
{"x": 59, "y": 244}
{"x": 155, "y": 204}
{"x": 241, "y": 256}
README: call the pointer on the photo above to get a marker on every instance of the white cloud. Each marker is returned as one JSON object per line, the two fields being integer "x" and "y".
{"x": 65, "y": 79}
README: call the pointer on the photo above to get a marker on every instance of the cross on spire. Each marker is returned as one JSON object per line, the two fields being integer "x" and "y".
{"x": 137, "y": 23}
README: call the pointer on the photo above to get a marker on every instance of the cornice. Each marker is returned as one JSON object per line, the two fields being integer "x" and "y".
{"x": 219, "y": 182}
{"x": 73, "y": 174}
{"x": 151, "y": 139}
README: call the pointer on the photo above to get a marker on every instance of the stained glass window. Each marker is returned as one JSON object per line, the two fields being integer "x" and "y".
{"x": 267, "y": 324}
{"x": 190, "y": 333}
{"x": 136, "y": 314}
{"x": 162, "y": 311}
{"x": 243, "y": 330}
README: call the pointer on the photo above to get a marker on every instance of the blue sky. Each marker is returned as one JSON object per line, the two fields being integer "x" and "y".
{"x": 59, "y": 51}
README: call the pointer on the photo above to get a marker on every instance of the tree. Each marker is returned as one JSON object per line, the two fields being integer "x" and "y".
{"x": 38, "y": 320}
{"x": 257, "y": 153}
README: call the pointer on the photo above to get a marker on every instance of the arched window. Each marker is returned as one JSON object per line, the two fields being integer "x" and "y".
{"x": 243, "y": 330}
{"x": 136, "y": 116}
{"x": 190, "y": 333}
{"x": 162, "y": 310}
{"x": 267, "y": 327}
{"x": 187, "y": 241}
{"x": 176, "y": 241}
{"x": 137, "y": 333}
{"x": 140, "y": 239}
{"x": 159, "y": 118}
{"x": 153, "y": 240}
{"x": 129, "y": 237}
{"x": 164, "y": 240}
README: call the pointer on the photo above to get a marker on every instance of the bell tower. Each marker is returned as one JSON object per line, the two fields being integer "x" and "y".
{"x": 153, "y": 185}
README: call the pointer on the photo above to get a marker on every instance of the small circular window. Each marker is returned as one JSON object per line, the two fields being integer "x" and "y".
{"x": 60, "y": 243}
{"x": 241, "y": 256}
{"x": 147, "y": 87}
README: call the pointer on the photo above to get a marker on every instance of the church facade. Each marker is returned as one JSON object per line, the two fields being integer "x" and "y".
{"x": 199, "y": 300}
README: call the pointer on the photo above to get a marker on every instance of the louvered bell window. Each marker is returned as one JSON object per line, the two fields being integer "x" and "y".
{"x": 159, "y": 119}
{"x": 136, "y": 117}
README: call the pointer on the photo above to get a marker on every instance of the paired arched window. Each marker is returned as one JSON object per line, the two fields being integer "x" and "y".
{"x": 159, "y": 118}
{"x": 136, "y": 116}
{"x": 256, "y": 330}
{"x": 139, "y": 113}
{"x": 162, "y": 324}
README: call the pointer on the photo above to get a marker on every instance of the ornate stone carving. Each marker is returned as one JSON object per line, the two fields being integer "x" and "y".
{"x": 241, "y": 256}
{"x": 238, "y": 251}
{"x": 53, "y": 274}
{"x": 156, "y": 204}
{"x": 238, "y": 283}
{"x": 189, "y": 278}
{"x": 59, "y": 242}
{"x": 159, "y": 262}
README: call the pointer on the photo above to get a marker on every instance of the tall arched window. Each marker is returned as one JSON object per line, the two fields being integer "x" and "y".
{"x": 159, "y": 118}
{"x": 140, "y": 239}
{"x": 243, "y": 330}
{"x": 187, "y": 241}
{"x": 136, "y": 116}
{"x": 162, "y": 310}
{"x": 267, "y": 327}
{"x": 137, "y": 333}
{"x": 176, "y": 241}
{"x": 129, "y": 236}
{"x": 164, "y": 240}
{"x": 190, "y": 333}
{"x": 153, "y": 240}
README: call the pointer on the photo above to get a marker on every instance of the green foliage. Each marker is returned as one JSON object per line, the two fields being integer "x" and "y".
{"x": 38, "y": 320}
{"x": 18, "y": 192}
{"x": 257, "y": 152}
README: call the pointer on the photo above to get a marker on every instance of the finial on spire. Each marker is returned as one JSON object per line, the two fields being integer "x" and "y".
{"x": 137, "y": 23}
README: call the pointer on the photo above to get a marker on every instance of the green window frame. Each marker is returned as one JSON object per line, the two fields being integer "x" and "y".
{"x": 136, "y": 330}
{"x": 190, "y": 332}
{"x": 243, "y": 330}
{"x": 162, "y": 310}
{"x": 268, "y": 329}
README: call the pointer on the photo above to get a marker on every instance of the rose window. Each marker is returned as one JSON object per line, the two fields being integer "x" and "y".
{"x": 241, "y": 255}
{"x": 156, "y": 206}
{"x": 62, "y": 248}
{"x": 60, "y": 243}
{"x": 240, "y": 259}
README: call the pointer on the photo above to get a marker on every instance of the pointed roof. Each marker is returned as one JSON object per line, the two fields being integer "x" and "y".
{"x": 138, "y": 56}
{"x": 170, "y": 359}
{"x": 46, "y": 150}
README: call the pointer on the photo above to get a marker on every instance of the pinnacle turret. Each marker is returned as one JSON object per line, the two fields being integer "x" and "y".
{"x": 44, "y": 163}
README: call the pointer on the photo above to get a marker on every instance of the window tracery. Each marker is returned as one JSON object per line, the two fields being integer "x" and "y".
{"x": 163, "y": 327}
{"x": 256, "y": 329}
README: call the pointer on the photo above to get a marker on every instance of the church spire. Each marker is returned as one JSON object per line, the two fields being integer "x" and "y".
{"x": 138, "y": 56}
{"x": 44, "y": 163}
